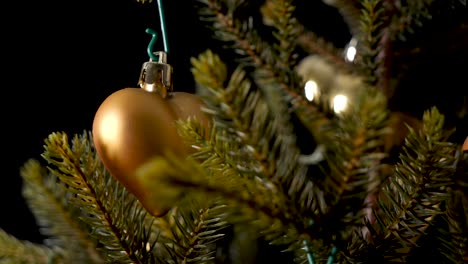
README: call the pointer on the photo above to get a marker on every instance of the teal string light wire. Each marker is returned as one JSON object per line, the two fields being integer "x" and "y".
{"x": 154, "y": 34}
{"x": 163, "y": 26}
{"x": 310, "y": 256}
{"x": 331, "y": 258}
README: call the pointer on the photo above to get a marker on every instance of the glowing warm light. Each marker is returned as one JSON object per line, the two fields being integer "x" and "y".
{"x": 311, "y": 90}
{"x": 110, "y": 128}
{"x": 350, "y": 50}
{"x": 339, "y": 103}
{"x": 351, "y": 53}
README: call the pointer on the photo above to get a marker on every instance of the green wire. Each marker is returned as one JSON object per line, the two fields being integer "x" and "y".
{"x": 149, "y": 50}
{"x": 331, "y": 258}
{"x": 310, "y": 256}
{"x": 154, "y": 34}
{"x": 163, "y": 26}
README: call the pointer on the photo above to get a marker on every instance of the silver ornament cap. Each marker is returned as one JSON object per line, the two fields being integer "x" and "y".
{"x": 156, "y": 76}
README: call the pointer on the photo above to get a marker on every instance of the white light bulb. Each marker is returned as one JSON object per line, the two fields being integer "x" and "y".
{"x": 311, "y": 90}
{"x": 350, "y": 50}
{"x": 350, "y": 54}
{"x": 339, "y": 103}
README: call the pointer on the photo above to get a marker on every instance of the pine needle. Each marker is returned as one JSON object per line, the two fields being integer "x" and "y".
{"x": 217, "y": 153}
{"x": 197, "y": 229}
{"x": 287, "y": 31}
{"x": 114, "y": 216}
{"x": 410, "y": 15}
{"x": 415, "y": 195}
{"x": 16, "y": 251}
{"x": 48, "y": 201}
{"x": 248, "y": 201}
{"x": 354, "y": 155}
{"x": 247, "y": 43}
{"x": 457, "y": 207}
{"x": 239, "y": 110}
{"x": 374, "y": 40}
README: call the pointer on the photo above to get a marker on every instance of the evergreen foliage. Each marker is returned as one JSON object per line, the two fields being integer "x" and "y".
{"x": 247, "y": 191}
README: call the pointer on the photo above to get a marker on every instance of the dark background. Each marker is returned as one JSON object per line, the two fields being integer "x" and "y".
{"x": 61, "y": 59}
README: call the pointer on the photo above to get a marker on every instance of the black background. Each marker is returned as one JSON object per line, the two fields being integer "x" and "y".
{"x": 61, "y": 59}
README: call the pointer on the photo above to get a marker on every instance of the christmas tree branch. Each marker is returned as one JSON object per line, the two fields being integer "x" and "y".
{"x": 216, "y": 152}
{"x": 48, "y": 199}
{"x": 114, "y": 215}
{"x": 287, "y": 31}
{"x": 408, "y": 15}
{"x": 248, "y": 43}
{"x": 248, "y": 201}
{"x": 354, "y": 157}
{"x": 375, "y": 46}
{"x": 239, "y": 110}
{"x": 213, "y": 156}
{"x": 13, "y": 250}
{"x": 260, "y": 129}
{"x": 457, "y": 209}
{"x": 196, "y": 229}
{"x": 414, "y": 196}
{"x": 274, "y": 14}
{"x": 285, "y": 151}
{"x": 303, "y": 195}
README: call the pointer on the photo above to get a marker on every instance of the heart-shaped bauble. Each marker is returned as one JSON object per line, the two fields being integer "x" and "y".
{"x": 132, "y": 126}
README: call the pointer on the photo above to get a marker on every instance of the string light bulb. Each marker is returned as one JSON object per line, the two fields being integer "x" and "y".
{"x": 311, "y": 90}
{"x": 340, "y": 102}
{"x": 350, "y": 50}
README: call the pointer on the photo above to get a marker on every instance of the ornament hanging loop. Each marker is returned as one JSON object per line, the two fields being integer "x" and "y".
{"x": 156, "y": 74}
{"x": 154, "y": 37}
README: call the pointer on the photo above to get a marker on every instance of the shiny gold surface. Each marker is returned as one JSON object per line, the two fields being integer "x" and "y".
{"x": 130, "y": 127}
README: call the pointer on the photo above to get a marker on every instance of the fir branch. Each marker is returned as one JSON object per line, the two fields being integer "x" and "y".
{"x": 248, "y": 201}
{"x": 263, "y": 140}
{"x": 48, "y": 201}
{"x": 287, "y": 31}
{"x": 284, "y": 150}
{"x": 314, "y": 44}
{"x": 457, "y": 208}
{"x": 16, "y": 251}
{"x": 217, "y": 153}
{"x": 416, "y": 194}
{"x": 409, "y": 15}
{"x": 240, "y": 110}
{"x": 247, "y": 43}
{"x": 375, "y": 44}
{"x": 115, "y": 217}
{"x": 359, "y": 250}
{"x": 214, "y": 157}
{"x": 354, "y": 157}
{"x": 196, "y": 229}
